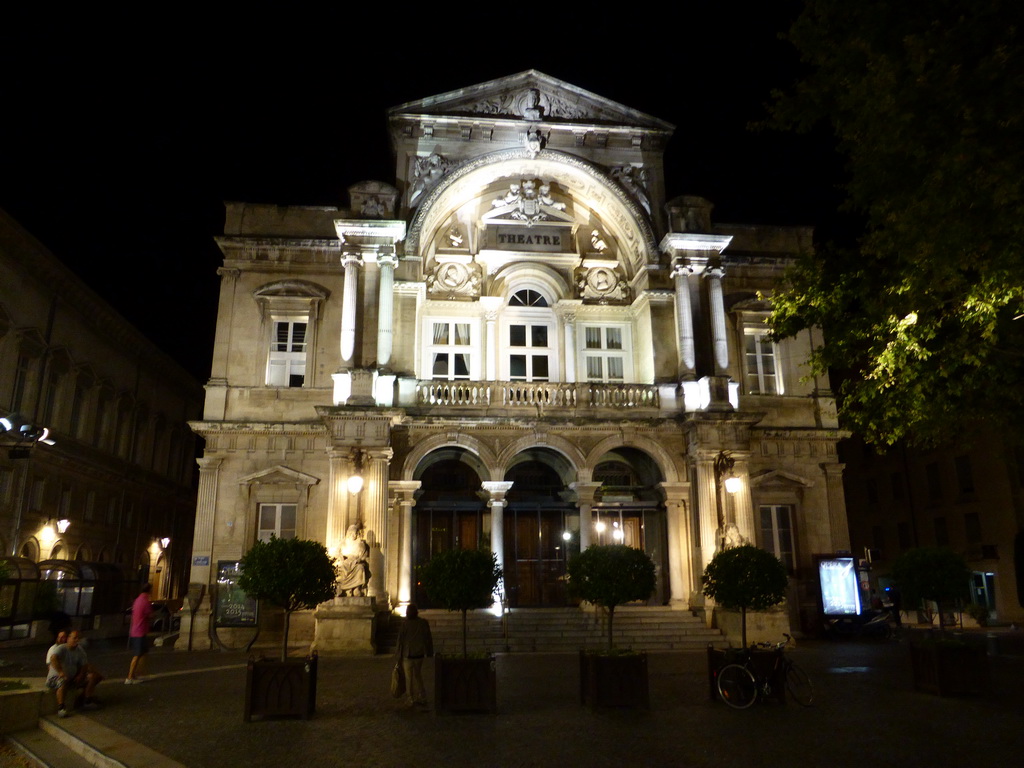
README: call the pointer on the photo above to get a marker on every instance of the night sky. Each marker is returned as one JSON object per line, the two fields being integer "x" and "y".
{"x": 118, "y": 148}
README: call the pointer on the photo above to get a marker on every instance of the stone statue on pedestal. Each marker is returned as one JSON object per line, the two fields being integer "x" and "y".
{"x": 354, "y": 568}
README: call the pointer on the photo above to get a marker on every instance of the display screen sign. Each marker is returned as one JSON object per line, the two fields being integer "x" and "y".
{"x": 234, "y": 607}
{"x": 840, "y": 590}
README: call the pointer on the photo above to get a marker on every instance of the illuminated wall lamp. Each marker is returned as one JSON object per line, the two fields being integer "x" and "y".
{"x": 63, "y": 525}
{"x": 732, "y": 485}
{"x": 165, "y": 542}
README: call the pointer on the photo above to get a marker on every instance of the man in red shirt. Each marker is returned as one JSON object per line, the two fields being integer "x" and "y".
{"x": 138, "y": 641}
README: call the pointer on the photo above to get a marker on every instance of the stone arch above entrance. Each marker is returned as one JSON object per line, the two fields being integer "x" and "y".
{"x": 468, "y": 443}
{"x": 671, "y": 473}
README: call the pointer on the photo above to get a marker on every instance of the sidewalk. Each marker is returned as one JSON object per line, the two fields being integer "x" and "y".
{"x": 866, "y": 712}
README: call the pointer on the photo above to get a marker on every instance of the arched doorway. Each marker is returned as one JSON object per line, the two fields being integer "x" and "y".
{"x": 450, "y": 511}
{"x": 541, "y": 529}
{"x": 629, "y": 510}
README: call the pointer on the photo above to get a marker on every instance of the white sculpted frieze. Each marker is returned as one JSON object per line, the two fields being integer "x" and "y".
{"x": 454, "y": 279}
{"x": 529, "y": 201}
{"x": 635, "y": 181}
{"x": 530, "y": 104}
{"x": 427, "y": 172}
{"x": 601, "y": 283}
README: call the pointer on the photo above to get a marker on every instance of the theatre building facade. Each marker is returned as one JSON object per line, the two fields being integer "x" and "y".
{"x": 519, "y": 345}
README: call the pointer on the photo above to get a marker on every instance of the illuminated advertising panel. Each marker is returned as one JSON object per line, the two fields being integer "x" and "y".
{"x": 840, "y": 590}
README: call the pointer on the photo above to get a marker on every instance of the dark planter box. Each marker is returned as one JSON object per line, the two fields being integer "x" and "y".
{"x": 762, "y": 661}
{"x": 275, "y": 688}
{"x": 465, "y": 685}
{"x": 949, "y": 669}
{"x": 614, "y": 681}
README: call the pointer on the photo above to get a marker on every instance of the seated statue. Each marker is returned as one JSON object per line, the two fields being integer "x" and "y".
{"x": 354, "y": 568}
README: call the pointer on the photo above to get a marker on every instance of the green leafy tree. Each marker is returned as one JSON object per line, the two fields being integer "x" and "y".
{"x": 462, "y": 580}
{"x": 931, "y": 573}
{"x": 744, "y": 578}
{"x": 926, "y": 101}
{"x": 610, "y": 575}
{"x": 293, "y": 574}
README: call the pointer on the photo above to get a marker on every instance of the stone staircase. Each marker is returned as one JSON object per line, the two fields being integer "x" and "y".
{"x": 553, "y": 630}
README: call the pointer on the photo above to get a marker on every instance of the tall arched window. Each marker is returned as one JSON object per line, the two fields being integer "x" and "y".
{"x": 530, "y": 338}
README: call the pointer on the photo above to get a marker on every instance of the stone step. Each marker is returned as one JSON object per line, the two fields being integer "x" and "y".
{"x": 102, "y": 747}
{"x": 45, "y": 751}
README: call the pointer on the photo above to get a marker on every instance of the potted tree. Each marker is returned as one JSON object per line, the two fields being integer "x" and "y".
{"x": 609, "y": 576}
{"x": 943, "y": 665}
{"x": 742, "y": 578}
{"x": 463, "y": 580}
{"x": 292, "y": 574}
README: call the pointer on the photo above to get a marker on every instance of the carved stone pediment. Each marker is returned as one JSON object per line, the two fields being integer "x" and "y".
{"x": 279, "y": 475}
{"x": 533, "y": 97}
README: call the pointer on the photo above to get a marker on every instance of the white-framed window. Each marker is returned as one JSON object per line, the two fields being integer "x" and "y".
{"x": 529, "y": 338}
{"x": 605, "y": 354}
{"x": 451, "y": 349}
{"x": 276, "y": 520}
{"x": 286, "y": 363}
{"x": 761, "y": 363}
{"x": 777, "y": 532}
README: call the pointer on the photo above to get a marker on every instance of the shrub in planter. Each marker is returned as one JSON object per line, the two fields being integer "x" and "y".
{"x": 610, "y": 576}
{"x": 743, "y": 578}
{"x": 463, "y": 580}
{"x": 293, "y": 574}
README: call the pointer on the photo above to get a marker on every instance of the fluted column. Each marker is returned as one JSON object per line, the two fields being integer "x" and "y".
{"x": 570, "y": 347}
{"x": 721, "y": 345}
{"x": 679, "y": 573}
{"x": 352, "y": 263}
{"x": 684, "y": 319}
{"x": 385, "y": 308}
{"x": 743, "y": 503}
{"x": 585, "y": 493}
{"x": 838, "y": 524}
{"x": 375, "y": 501}
{"x": 496, "y": 503}
{"x": 206, "y": 518}
{"x": 404, "y": 492}
{"x": 339, "y": 470}
{"x": 707, "y": 510}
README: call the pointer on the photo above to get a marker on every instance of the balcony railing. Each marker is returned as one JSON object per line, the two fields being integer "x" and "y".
{"x": 534, "y": 395}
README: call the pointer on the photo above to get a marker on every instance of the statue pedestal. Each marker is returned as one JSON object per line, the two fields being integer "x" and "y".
{"x": 346, "y": 625}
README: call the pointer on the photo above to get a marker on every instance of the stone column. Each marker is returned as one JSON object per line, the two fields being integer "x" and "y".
{"x": 684, "y": 319}
{"x": 496, "y": 503}
{"x": 385, "y": 307}
{"x": 375, "y": 500}
{"x": 585, "y": 493}
{"x": 707, "y": 510}
{"x": 838, "y": 524}
{"x": 404, "y": 491}
{"x": 570, "y": 347}
{"x": 206, "y": 518}
{"x": 721, "y": 344}
{"x": 352, "y": 263}
{"x": 339, "y": 470}
{"x": 679, "y": 573}
{"x": 491, "y": 345}
{"x": 742, "y": 503}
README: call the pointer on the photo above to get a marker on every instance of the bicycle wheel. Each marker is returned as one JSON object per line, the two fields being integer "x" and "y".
{"x": 736, "y": 686}
{"x": 799, "y": 685}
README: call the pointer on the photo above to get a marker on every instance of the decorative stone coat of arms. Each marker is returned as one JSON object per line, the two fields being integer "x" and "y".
{"x": 453, "y": 279}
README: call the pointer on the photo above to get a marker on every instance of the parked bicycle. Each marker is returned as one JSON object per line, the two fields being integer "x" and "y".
{"x": 742, "y": 683}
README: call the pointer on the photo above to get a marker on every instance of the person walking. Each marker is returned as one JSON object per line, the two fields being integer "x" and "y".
{"x": 414, "y": 644}
{"x": 138, "y": 640}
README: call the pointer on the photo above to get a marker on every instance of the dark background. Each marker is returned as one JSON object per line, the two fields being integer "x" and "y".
{"x": 121, "y": 137}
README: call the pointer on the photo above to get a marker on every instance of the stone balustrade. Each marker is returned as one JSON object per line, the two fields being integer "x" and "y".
{"x": 533, "y": 395}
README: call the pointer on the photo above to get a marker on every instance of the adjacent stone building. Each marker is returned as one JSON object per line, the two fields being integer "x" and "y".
{"x": 119, "y": 472}
{"x": 520, "y": 344}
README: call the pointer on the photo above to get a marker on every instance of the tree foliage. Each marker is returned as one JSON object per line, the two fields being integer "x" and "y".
{"x": 746, "y": 577}
{"x": 931, "y": 573}
{"x": 610, "y": 575}
{"x": 462, "y": 580}
{"x": 293, "y": 574}
{"x": 926, "y": 101}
